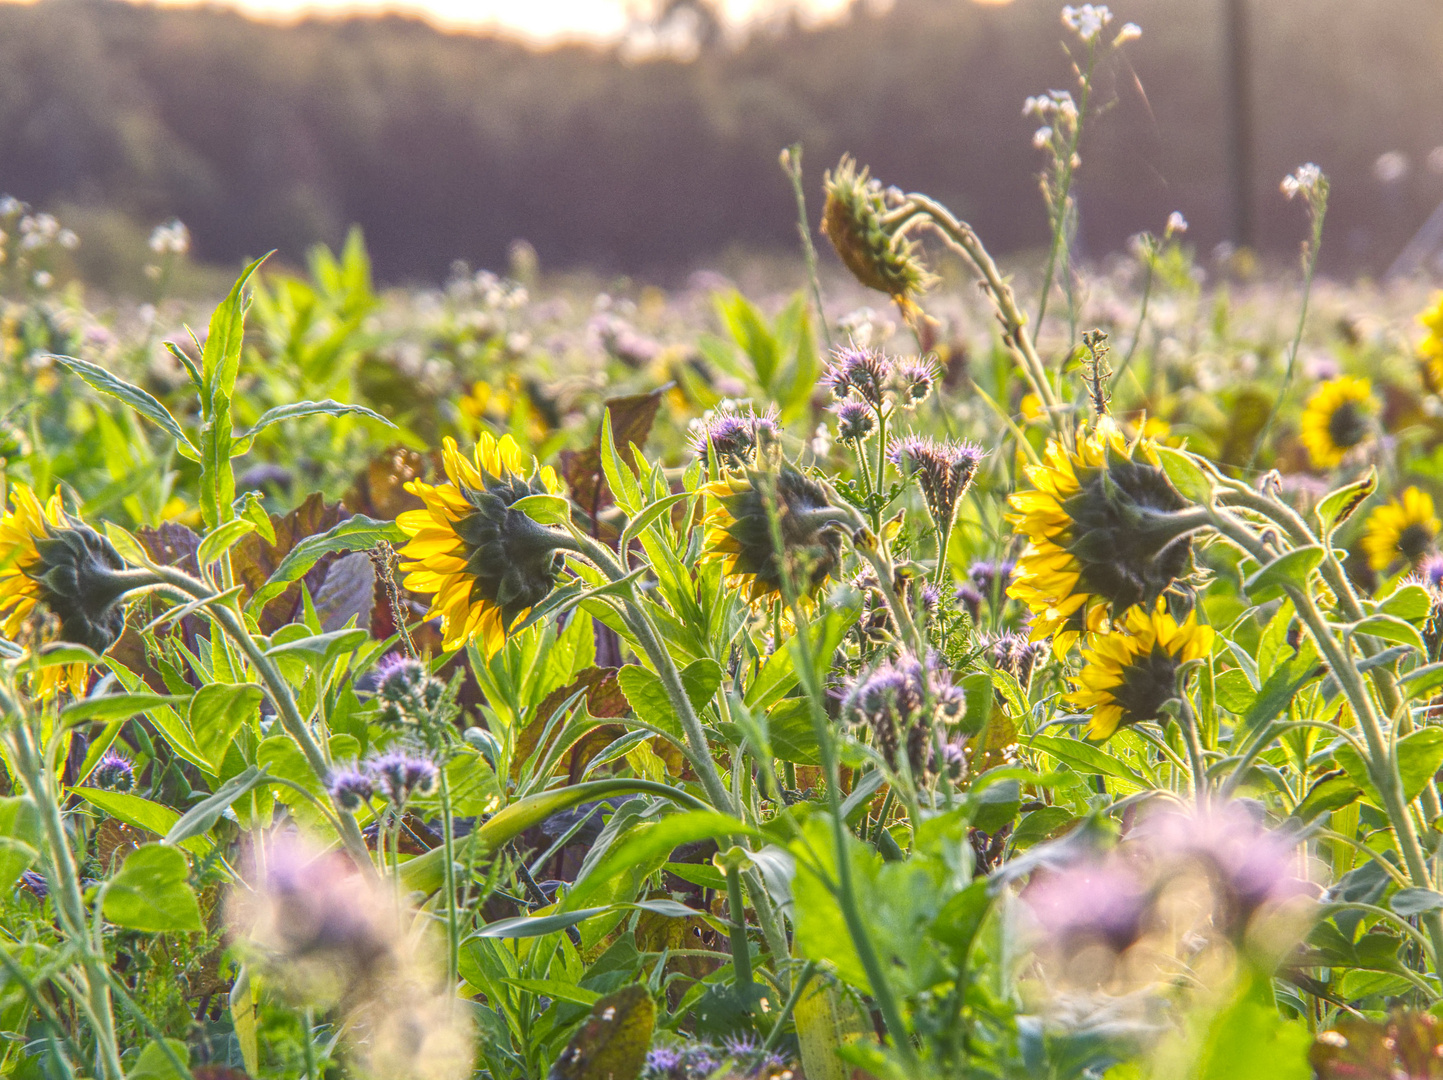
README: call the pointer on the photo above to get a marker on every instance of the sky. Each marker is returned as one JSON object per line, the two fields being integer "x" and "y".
{"x": 537, "y": 20}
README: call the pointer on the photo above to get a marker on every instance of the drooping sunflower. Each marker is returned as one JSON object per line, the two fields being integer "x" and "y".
{"x": 879, "y": 255}
{"x": 52, "y": 563}
{"x": 739, "y": 531}
{"x": 1106, "y": 530}
{"x": 486, "y": 563}
{"x": 1337, "y": 417}
{"x": 1128, "y": 675}
{"x": 1402, "y": 531}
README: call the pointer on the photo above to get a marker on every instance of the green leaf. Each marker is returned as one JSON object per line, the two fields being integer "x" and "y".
{"x": 1407, "y": 601}
{"x": 1185, "y": 474}
{"x": 151, "y": 892}
{"x": 1249, "y": 1040}
{"x": 254, "y": 511}
{"x": 217, "y": 479}
{"x": 357, "y": 533}
{"x": 1089, "y": 759}
{"x": 325, "y": 647}
{"x": 126, "y": 545}
{"x": 1420, "y": 755}
{"x": 1331, "y": 791}
{"x": 635, "y": 526}
{"x": 1422, "y": 680}
{"x": 131, "y": 809}
{"x": 544, "y": 509}
{"x": 1291, "y": 569}
{"x": 220, "y": 359}
{"x": 217, "y": 712}
{"x": 749, "y": 330}
{"x": 21, "y": 839}
{"x": 298, "y": 409}
{"x": 97, "y": 378}
{"x": 117, "y": 706}
{"x": 648, "y": 697}
{"x": 979, "y": 696}
{"x": 1410, "y": 902}
{"x": 613, "y": 1041}
{"x": 619, "y": 477}
{"x": 200, "y": 818}
{"x": 555, "y": 988}
{"x": 220, "y": 540}
{"x": 1391, "y": 628}
{"x": 1338, "y": 506}
{"x": 155, "y": 1064}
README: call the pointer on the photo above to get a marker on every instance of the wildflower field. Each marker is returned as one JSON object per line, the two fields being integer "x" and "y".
{"x": 895, "y": 666}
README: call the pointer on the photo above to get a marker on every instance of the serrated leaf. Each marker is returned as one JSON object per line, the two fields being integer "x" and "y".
{"x": 102, "y": 381}
{"x": 358, "y": 533}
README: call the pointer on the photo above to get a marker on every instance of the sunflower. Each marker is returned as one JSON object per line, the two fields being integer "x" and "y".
{"x": 739, "y": 531}
{"x": 1430, "y": 350}
{"x": 51, "y": 562}
{"x": 1105, "y": 531}
{"x": 486, "y": 563}
{"x": 1337, "y": 417}
{"x": 1128, "y": 675}
{"x": 1403, "y": 530}
{"x": 879, "y": 255}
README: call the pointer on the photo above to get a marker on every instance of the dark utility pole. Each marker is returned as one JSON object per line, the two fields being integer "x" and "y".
{"x": 1238, "y": 94}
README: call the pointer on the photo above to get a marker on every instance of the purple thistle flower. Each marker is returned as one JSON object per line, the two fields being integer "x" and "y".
{"x": 855, "y": 420}
{"x": 114, "y": 772}
{"x": 400, "y": 775}
{"x": 735, "y": 435}
{"x": 407, "y": 691}
{"x": 913, "y": 380}
{"x": 351, "y": 789}
{"x": 944, "y": 471}
{"x": 862, "y": 372}
{"x": 1090, "y": 902}
{"x": 992, "y": 577}
{"x": 970, "y": 599}
{"x": 900, "y": 701}
{"x": 34, "y": 882}
{"x": 1016, "y": 655}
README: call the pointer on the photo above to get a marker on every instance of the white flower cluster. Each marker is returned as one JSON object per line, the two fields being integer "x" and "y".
{"x": 1059, "y": 113}
{"x": 42, "y": 230}
{"x": 172, "y": 238}
{"x": 1086, "y": 21}
{"x": 1305, "y": 182}
{"x": 1176, "y": 224}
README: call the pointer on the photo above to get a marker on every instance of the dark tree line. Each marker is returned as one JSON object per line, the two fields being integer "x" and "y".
{"x": 444, "y": 146}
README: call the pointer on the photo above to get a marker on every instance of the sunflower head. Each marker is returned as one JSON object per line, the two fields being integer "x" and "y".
{"x": 55, "y": 563}
{"x": 854, "y": 219}
{"x": 1106, "y": 531}
{"x": 1128, "y": 675}
{"x": 1337, "y": 417}
{"x": 739, "y": 531}
{"x": 486, "y": 562}
{"x": 1402, "y": 531}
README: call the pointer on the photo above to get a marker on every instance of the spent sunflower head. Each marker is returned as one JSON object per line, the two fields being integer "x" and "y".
{"x": 52, "y": 562}
{"x": 874, "y": 248}
{"x": 1106, "y": 531}
{"x": 1129, "y": 674}
{"x": 809, "y": 525}
{"x": 1402, "y": 531}
{"x": 1337, "y": 417}
{"x": 486, "y": 563}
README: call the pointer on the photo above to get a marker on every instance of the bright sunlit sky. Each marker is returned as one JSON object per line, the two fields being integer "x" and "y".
{"x": 539, "y": 20}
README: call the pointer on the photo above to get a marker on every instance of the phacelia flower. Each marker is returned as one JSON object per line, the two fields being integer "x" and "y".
{"x": 1106, "y": 532}
{"x": 351, "y": 789}
{"x": 913, "y": 379}
{"x": 33, "y": 882}
{"x": 943, "y": 470}
{"x": 739, "y": 531}
{"x": 855, "y": 420}
{"x": 398, "y": 775}
{"x": 1337, "y": 418}
{"x": 1016, "y": 655}
{"x": 407, "y": 691}
{"x": 1129, "y": 674}
{"x": 1402, "y": 531}
{"x": 735, "y": 435}
{"x": 113, "y": 772}
{"x": 50, "y": 560}
{"x": 991, "y": 577}
{"x": 902, "y": 701}
{"x": 876, "y": 251}
{"x": 486, "y": 563}
{"x": 861, "y": 373}
{"x": 1096, "y": 901}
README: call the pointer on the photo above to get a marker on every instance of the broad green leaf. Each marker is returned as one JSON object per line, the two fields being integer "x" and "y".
{"x": 126, "y": 545}
{"x": 97, "y": 378}
{"x": 544, "y": 509}
{"x": 1250, "y": 1040}
{"x": 1185, "y": 474}
{"x": 1422, "y": 680}
{"x": 1409, "y": 902}
{"x": 217, "y": 478}
{"x": 201, "y": 817}
{"x": 1289, "y": 570}
{"x": 1089, "y": 759}
{"x": 749, "y": 330}
{"x": 21, "y": 839}
{"x": 648, "y": 697}
{"x": 151, "y": 892}
{"x": 1331, "y": 791}
{"x": 555, "y": 988}
{"x": 1407, "y": 601}
{"x": 1391, "y": 628}
{"x": 155, "y": 1064}
{"x": 140, "y": 812}
{"x": 217, "y": 712}
{"x": 220, "y": 540}
{"x": 1420, "y": 755}
{"x": 117, "y": 706}
{"x": 253, "y": 510}
{"x": 358, "y": 533}
{"x": 619, "y": 477}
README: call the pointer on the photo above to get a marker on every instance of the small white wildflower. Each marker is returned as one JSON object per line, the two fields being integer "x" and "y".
{"x": 1303, "y": 182}
{"x": 1129, "y": 32}
{"x": 10, "y": 206}
{"x": 1039, "y": 106}
{"x": 822, "y": 441}
{"x": 1066, "y": 107}
{"x": 1042, "y": 137}
{"x": 43, "y": 279}
{"x": 172, "y": 238}
{"x": 1176, "y": 224}
{"x": 1086, "y": 21}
